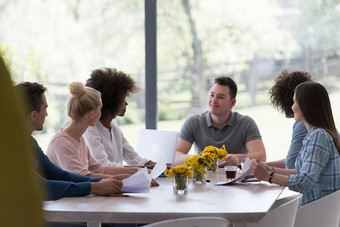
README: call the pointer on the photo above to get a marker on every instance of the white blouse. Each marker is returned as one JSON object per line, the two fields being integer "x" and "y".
{"x": 109, "y": 147}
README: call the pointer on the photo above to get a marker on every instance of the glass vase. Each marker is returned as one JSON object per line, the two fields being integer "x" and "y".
{"x": 180, "y": 184}
{"x": 213, "y": 167}
{"x": 198, "y": 177}
{"x": 212, "y": 173}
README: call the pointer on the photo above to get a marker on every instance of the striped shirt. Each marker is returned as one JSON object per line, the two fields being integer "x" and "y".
{"x": 317, "y": 167}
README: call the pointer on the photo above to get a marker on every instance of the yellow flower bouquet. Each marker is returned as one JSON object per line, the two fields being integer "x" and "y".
{"x": 180, "y": 170}
{"x": 198, "y": 164}
{"x": 180, "y": 175}
{"x": 216, "y": 154}
{"x": 205, "y": 162}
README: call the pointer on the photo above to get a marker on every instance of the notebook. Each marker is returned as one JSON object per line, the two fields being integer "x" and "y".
{"x": 156, "y": 144}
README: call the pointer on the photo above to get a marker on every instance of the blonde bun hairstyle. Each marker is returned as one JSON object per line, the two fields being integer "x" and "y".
{"x": 83, "y": 99}
{"x": 76, "y": 89}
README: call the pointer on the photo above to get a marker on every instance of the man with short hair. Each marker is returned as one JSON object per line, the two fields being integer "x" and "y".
{"x": 55, "y": 182}
{"x": 220, "y": 126}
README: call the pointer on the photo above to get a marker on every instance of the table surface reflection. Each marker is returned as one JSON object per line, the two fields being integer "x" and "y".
{"x": 240, "y": 203}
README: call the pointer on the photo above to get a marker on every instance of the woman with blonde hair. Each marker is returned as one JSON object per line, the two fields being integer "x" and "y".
{"x": 67, "y": 149}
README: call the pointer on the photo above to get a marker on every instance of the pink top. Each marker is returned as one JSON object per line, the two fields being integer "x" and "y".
{"x": 72, "y": 155}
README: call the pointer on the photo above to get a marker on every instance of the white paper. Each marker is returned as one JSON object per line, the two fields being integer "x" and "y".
{"x": 246, "y": 172}
{"x": 138, "y": 178}
{"x": 138, "y": 182}
{"x": 158, "y": 169}
{"x": 246, "y": 164}
{"x": 141, "y": 180}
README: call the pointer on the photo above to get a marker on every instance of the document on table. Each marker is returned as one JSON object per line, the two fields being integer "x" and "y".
{"x": 246, "y": 172}
{"x": 141, "y": 180}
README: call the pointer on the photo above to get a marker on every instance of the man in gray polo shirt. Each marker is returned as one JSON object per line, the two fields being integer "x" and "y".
{"x": 220, "y": 126}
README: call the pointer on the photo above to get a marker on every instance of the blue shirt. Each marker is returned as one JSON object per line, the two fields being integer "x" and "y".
{"x": 56, "y": 182}
{"x": 317, "y": 167}
{"x": 299, "y": 133}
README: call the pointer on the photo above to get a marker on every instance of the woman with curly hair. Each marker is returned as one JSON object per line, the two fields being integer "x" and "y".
{"x": 105, "y": 139}
{"x": 281, "y": 96}
{"x": 67, "y": 149}
{"x": 317, "y": 166}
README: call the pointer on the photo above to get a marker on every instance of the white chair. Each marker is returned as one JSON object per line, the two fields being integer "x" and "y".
{"x": 282, "y": 214}
{"x": 322, "y": 212}
{"x": 192, "y": 222}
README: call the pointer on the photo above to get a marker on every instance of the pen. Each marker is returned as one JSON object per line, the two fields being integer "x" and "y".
{"x": 221, "y": 163}
{"x": 119, "y": 195}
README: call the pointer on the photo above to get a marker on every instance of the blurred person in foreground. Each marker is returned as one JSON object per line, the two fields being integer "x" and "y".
{"x": 317, "y": 167}
{"x": 20, "y": 196}
{"x": 221, "y": 126}
{"x": 105, "y": 140}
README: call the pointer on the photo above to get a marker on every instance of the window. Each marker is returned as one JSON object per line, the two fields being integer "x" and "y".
{"x": 57, "y": 42}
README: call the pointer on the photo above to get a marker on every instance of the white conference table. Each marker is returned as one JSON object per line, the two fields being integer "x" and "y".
{"x": 246, "y": 203}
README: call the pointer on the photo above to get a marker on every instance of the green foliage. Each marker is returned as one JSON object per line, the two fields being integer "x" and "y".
{"x": 170, "y": 112}
{"x": 320, "y": 21}
{"x": 174, "y": 100}
{"x": 230, "y": 32}
{"x": 64, "y": 44}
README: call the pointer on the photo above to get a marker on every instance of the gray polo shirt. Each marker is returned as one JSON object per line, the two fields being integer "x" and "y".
{"x": 234, "y": 134}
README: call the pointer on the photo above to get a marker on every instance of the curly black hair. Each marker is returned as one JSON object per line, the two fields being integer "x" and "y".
{"x": 114, "y": 86}
{"x": 282, "y": 92}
